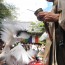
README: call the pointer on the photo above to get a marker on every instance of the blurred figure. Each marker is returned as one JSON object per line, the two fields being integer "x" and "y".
{"x": 57, "y": 15}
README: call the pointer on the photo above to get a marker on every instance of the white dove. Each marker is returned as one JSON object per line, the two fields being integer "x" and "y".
{"x": 9, "y": 35}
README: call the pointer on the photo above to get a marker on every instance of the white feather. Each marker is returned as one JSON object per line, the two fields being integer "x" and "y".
{"x": 20, "y": 54}
{"x": 8, "y": 35}
{"x": 10, "y": 31}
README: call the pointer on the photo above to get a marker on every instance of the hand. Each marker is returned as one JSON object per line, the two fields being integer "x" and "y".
{"x": 40, "y": 15}
{"x": 51, "y": 17}
{"x": 48, "y": 16}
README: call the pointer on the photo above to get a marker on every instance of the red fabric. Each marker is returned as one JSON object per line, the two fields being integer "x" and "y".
{"x": 36, "y": 63}
{"x": 36, "y": 39}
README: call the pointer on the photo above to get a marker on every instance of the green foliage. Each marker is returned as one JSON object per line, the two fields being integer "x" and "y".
{"x": 41, "y": 24}
{"x": 1, "y": 1}
{"x": 32, "y": 23}
{"x": 37, "y": 27}
{"x": 6, "y": 10}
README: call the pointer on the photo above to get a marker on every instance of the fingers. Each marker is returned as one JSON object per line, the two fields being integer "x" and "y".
{"x": 46, "y": 16}
{"x": 49, "y": 17}
{"x": 40, "y": 15}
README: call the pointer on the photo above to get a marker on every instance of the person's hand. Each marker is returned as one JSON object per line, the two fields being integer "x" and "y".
{"x": 52, "y": 17}
{"x": 48, "y": 16}
{"x": 41, "y": 15}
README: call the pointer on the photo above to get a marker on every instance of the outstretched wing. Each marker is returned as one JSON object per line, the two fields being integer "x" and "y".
{"x": 10, "y": 30}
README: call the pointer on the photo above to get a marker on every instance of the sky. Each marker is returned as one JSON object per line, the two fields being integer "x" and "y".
{"x": 26, "y": 8}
